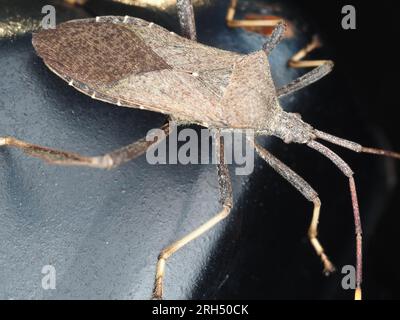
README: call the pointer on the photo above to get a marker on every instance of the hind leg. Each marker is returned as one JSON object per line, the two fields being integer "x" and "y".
{"x": 106, "y": 161}
{"x": 227, "y": 203}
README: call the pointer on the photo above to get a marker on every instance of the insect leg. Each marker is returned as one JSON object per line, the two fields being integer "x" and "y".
{"x": 276, "y": 37}
{"x": 297, "y": 60}
{"x": 354, "y": 146}
{"x": 76, "y": 2}
{"x": 107, "y": 161}
{"x": 304, "y": 81}
{"x": 227, "y": 203}
{"x": 309, "y": 193}
{"x": 344, "y": 167}
{"x": 186, "y": 19}
{"x": 233, "y": 23}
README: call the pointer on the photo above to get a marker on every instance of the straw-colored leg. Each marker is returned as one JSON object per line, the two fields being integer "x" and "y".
{"x": 234, "y": 23}
{"x": 297, "y": 61}
{"x": 227, "y": 202}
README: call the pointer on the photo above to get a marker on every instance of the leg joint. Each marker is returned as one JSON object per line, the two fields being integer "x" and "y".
{"x": 226, "y": 210}
{"x": 105, "y": 162}
{"x": 317, "y": 201}
{"x": 164, "y": 254}
{"x": 4, "y": 141}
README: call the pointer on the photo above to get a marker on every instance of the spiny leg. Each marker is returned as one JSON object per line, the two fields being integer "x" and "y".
{"x": 107, "y": 161}
{"x": 227, "y": 203}
{"x": 186, "y": 19}
{"x": 344, "y": 167}
{"x": 233, "y": 23}
{"x": 309, "y": 193}
{"x": 305, "y": 80}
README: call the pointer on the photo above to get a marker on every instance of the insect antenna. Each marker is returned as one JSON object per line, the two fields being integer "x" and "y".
{"x": 345, "y": 168}
{"x": 354, "y": 146}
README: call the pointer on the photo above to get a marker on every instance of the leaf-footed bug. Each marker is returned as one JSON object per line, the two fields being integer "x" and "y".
{"x": 133, "y": 63}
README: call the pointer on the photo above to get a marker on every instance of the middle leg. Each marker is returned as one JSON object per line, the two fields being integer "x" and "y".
{"x": 225, "y": 185}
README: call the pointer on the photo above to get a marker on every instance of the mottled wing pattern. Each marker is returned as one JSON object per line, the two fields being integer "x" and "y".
{"x": 131, "y": 62}
{"x": 96, "y": 54}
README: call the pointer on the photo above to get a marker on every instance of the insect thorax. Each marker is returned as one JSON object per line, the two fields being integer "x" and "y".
{"x": 290, "y": 128}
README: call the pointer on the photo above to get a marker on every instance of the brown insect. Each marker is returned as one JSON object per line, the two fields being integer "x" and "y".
{"x": 134, "y": 63}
